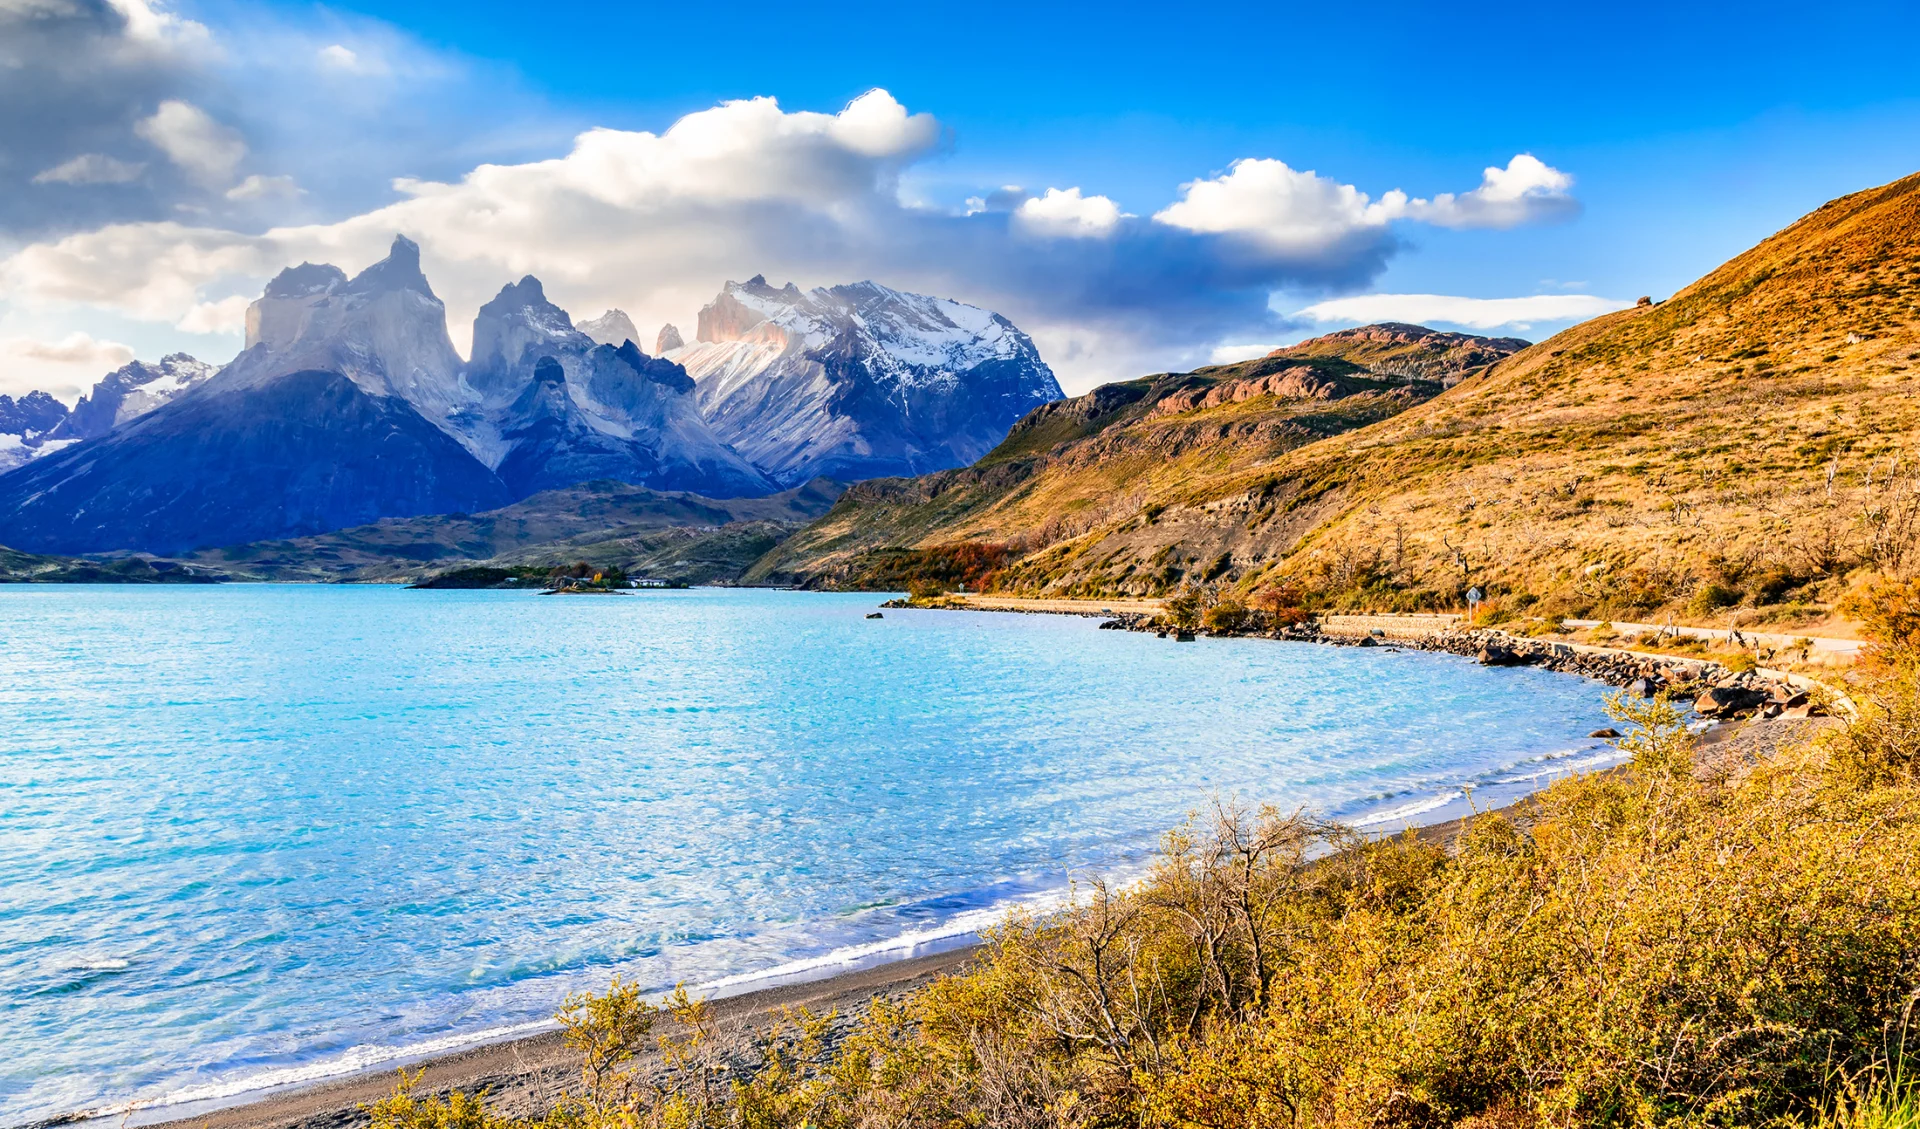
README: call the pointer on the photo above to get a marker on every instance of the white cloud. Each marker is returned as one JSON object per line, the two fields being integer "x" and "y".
{"x": 1067, "y": 213}
{"x": 1266, "y": 200}
{"x": 1474, "y": 313}
{"x": 257, "y": 187}
{"x": 1528, "y": 190}
{"x": 339, "y": 55}
{"x": 670, "y": 215}
{"x": 1234, "y": 354}
{"x": 228, "y": 315}
{"x": 152, "y": 23}
{"x": 92, "y": 168}
{"x": 203, "y": 148}
{"x": 653, "y": 223}
{"x": 63, "y": 368}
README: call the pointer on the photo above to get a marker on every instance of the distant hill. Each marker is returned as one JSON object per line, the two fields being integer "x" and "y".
{"x": 647, "y": 532}
{"x": 1076, "y": 466}
{"x": 38, "y": 568}
{"x": 1749, "y": 442}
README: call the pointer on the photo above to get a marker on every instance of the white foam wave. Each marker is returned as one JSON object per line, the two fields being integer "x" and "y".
{"x": 353, "y": 1061}
{"x": 1409, "y": 811}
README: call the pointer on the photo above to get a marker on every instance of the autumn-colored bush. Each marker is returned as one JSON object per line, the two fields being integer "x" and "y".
{"x": 1648, "y": 947}
{"x": 1283, "y": 604}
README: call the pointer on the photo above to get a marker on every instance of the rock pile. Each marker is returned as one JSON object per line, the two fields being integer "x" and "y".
{"x": 1709, "y": 688}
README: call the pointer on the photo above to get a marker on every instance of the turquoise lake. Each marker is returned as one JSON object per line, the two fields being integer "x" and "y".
{"x": 252, "y": 834}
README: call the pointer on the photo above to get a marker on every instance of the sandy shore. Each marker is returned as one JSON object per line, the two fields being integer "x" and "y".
{"x": 524, "y": 1076}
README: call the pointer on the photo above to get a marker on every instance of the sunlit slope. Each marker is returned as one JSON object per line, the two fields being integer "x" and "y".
{"x": 1746, "y": 435}
{"x": 1095, "y": 462}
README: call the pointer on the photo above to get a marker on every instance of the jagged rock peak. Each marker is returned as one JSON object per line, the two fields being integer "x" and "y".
{"x": 501, "y": 326}
{"x": 668, "y": 340}
{"x": 526, "y": 292}
{"x": 400, "y": 270}
{"x": 34, "y": 412}
{"x": 610, "y": 328}
{"x": 131, "y": 391}
{"x": 306, "y": 280}
{"x": 657, "y": 369}
{"x": 861, "y": 380}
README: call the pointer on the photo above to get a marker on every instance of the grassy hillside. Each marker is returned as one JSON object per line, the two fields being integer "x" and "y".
{"x": 1745, "y": 444}
{"x": 34, "y": 568}
{"x": 1078, "y": 466}
{"x": 646, "y": 532}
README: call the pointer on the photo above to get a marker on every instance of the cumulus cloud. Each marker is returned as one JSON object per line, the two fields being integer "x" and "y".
{"x": 653, "y": 223}
{"x": 1519, "y": 314}
{"x": 1069, "y": 214}
{"x": 204, "y": 149}
{"x": 1528, "y": 190}
{"x": 257, "y": 187}
{"x": 1266, "y": 201}
{"x": 92, "y": 168}
{"x": 63, "y": 368}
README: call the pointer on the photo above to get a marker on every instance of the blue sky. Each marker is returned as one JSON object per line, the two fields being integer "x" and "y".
{"x": 1664, "y": 140}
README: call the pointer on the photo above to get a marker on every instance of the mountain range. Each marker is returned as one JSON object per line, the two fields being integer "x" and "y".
{"x": 1746, "y": 447}
{"x": 858, "y": 381}
{"x": 350, "y": 404}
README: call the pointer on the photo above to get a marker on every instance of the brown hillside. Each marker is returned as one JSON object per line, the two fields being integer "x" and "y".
{"x": 1745, "y": 443}
{"x": 1089, "y": 462}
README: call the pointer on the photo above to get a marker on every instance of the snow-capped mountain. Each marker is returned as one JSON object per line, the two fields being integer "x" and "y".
{"x": 613, "y": 328}
{"x": 24, "y": 426}
{"x": 349, "y": 404}
{"x": 37, "y": 424}
{"x": 131, "y": 391}
{"x": 859, "y": 381}
{"x": 383, "y": 329}
{"x": 558, "y": 408}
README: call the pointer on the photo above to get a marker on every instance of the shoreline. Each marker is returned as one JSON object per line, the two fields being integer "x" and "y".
{"x": 521, "y": 1075}
{"x": 526, "y": 1072}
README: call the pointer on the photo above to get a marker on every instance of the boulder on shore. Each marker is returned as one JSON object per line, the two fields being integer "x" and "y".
{"x": 1724, "y": 701}
{"x": 1496, "y": 653}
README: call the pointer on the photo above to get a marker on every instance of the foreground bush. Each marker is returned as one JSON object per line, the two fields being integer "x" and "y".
{"x": 1646, "y": 947}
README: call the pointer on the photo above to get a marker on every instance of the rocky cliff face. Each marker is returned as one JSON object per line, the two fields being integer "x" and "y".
{"x": 559, "y": 408}
{"x": 346, "y": 406}
{"x": 859, "y": 381}
{"x": 383, "y": 329}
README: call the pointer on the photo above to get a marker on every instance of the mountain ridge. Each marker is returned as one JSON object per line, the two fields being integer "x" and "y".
{"x": 1742, "y": 447}
{"x": 859, "y": 380}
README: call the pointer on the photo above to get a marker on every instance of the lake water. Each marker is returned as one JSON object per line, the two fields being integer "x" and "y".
{"x": 251, "y": 834}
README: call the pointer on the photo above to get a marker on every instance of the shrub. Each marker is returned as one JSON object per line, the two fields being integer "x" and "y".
{"x": 1711, "y": 597}
{"x": 1226, "y": 615}
{"x": 1283, "y": 604}
{"x": 1185, "y": 608}
{"x": 1637, "y": 948}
